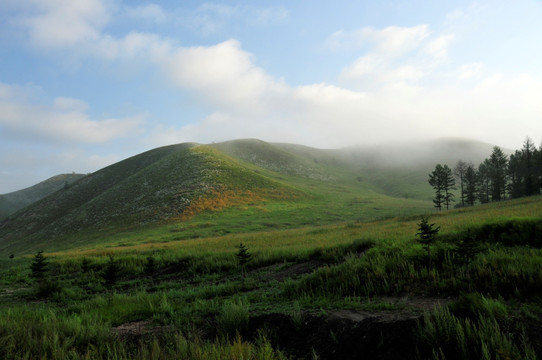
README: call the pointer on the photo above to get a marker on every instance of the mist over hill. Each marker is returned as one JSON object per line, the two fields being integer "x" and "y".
{"x": 289, "y": 185}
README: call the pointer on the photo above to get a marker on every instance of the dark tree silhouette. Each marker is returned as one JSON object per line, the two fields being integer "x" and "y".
{"x": 39, "y": 267}
{"x": 243, "y": 257}
{"x": 150, "y": 266}
{"x": 110, "y": 274}
{"x": 470, "y": 184}
{"x": 460, "y": 171}
{"x": 426, "y": 236}
{"x": 442, "y": 180}
{"x": 498, "y": 163}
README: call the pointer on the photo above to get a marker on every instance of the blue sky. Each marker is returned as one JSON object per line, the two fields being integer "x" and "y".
{"x": 86, "y": 83}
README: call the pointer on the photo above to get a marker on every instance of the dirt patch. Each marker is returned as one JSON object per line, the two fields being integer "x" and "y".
{"x": 297, "y": 270}
{"x": 341, "y": 334}
{"x": 133, "y": 332}
{"x": 418, "y": 303}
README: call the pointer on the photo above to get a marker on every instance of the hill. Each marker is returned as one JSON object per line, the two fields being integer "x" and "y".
{"x": 236, "y": 186}
{"x": 11, "y": 202}
{"x": 152, "y": 269}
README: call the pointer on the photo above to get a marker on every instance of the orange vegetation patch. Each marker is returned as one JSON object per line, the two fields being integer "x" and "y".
{"x": 216, "y": 200}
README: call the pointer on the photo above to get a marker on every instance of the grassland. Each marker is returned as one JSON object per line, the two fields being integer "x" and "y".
{"x": 362, "y": 277}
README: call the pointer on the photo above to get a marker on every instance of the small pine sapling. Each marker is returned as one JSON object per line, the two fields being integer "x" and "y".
{"x": 426, "y": 236}
{"x": 39, "y": 267}
{"x": 85, "y": 265}
{"x": 150, "y": 266}
{"x": 243, "y": 257}
{"x": 468, "y": 248}
{"x": 111, "y": 272}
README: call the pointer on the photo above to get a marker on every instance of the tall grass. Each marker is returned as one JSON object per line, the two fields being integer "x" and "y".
{"x": 443, "y": 335}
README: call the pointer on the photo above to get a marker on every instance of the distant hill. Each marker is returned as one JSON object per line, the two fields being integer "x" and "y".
{"x": 11, "y": 202}
{"x": 235, "y": 186}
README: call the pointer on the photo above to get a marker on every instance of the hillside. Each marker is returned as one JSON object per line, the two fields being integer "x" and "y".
{"x": 168, "y": 184}
{"x": 143, "y": 262}
{"x": 236, "y": 186}
{"x": 11, "y": 202}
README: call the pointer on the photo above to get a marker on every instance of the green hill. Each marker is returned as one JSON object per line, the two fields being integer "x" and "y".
{"x": 231, "y": 187}
{"x": 11, "y": 202}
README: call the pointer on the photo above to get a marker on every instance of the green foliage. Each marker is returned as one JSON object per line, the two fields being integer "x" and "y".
{"x": 443, "y": 335}
{"x": 111, "y": 272}
{"x": 85, "y": 265}
{"x": 39, "y": 267}
{"x": 426, "y": 236}
{"x": 468, "y": 247}
{"x": 150, "y": 266}
{"x": 233, "y": 317}
{"x": 243, "y": 257}
{"x": 443, "y": 182}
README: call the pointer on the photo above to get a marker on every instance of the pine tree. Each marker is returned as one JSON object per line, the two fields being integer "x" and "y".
{"x": 442, "y": 180}
{"x": 470, "y": 184}
{"x": 448, "y": 185}
{"x": 468, "y": 248}
{"x": 435, "y": 180}
{"x": 39, "y": 267}
{"x": 85, "y": 265}
{"x": 111, "y": 272}
{"x": 483, "y": 182}
{"x": 243, "y": 257}
{"x": 150, "y": 266}
{"x": 514, "y": 173}
{"x": 426, "y": 236}
{"x": 460, "y": 171}
{"x": 498, "y": 163}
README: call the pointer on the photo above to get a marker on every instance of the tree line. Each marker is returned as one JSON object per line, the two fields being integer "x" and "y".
{"x": 496, "y": 178}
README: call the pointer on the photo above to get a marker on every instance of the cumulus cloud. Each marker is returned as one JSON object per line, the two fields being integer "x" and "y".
{"x": 59, "y": 23}
{"x": 383, "y": 94}
{"x": 225, "y": 75}
{"x": 390, "y": 40}
{"x": 65, "y": 120}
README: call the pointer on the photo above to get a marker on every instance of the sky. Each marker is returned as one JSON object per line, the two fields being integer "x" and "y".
{"x": 87, "y": 83}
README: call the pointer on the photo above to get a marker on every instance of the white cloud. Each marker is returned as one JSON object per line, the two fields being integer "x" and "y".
{"x": 392, "y": 40}
{"x": 471, "y": 71}
{"x": 65, "y": 120}
{"x": 225, "y": 75}
{"x": 60, "y": 23}
{"x": 438, "y": 48}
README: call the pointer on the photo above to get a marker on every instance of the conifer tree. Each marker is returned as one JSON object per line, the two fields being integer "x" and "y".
{"x": 39, "y": 267}
{"x": 426, "y": 236}
{"x": 460, "y": 171}
{"x": 243, "y": 257}
{"x": 111, "y": 272}
{"x": 498, "y": 163}
{"x": 470, "y": 184}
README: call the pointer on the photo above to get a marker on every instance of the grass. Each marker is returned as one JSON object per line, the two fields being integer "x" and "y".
{"x": 197, "y": 295}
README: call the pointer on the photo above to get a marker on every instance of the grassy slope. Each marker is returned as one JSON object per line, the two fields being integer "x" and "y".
{"x": 198, "y": 280}
{"x": 197, "y": 191}
{"x": 10, "y": 203}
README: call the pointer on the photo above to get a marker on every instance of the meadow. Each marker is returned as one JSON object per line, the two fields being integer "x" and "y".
{"x": 178, "y": 290}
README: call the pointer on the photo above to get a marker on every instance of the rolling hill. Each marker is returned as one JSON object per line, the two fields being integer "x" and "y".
{"x": 11, "y": 202}
{"x": 236, "y": 186}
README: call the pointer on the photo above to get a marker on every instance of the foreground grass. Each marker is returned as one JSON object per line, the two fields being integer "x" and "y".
{"x": 196, "y": 301}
